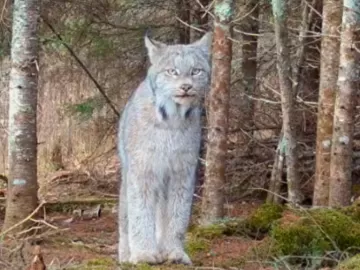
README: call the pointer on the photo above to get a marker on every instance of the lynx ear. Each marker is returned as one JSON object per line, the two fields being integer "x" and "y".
{"x": 153, "y": 47}
{"x": 205, "y": 42}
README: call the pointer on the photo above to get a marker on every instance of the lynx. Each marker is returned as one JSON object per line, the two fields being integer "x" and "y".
{"x": 159, "y": 143}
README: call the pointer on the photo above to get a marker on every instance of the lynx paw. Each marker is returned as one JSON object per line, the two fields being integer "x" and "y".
{"x": 124, "y": 253}
{"x": 124, "y": 258}
{"x": 178, "y": 256}
{"x": 146, "y": 257}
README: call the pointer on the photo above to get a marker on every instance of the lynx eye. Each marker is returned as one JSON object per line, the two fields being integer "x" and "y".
{"x": 172, "y": 72}
{"x": 195, "y": 71}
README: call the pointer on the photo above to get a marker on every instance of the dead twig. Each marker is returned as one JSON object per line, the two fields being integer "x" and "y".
{"x": 98, "y": 86}
{"x": 37, "y": 262}
{"x": 29, "y": 217}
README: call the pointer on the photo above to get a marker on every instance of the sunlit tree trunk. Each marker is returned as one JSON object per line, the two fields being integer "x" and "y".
{"x": 281, "y": 12}
{"x": 213, "y": 196}
{"x": 329, "y": 63}
{"x": 344, "y": 113}
{"x": 22, "y": 142}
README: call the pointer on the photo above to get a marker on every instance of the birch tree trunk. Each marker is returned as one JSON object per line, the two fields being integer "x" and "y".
{"x": 213, "y": 195}
{"x": 280, "y": 11}
{"x": 22, "y": 142}
{"x": 329, "y": 63}
{"x": 344, "y": 113}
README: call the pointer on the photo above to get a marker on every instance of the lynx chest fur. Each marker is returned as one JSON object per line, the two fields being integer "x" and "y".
{"x": 159, "y": 141}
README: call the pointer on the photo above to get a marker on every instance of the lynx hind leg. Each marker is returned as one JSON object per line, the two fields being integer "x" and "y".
{"x": 179, "y": 210}
{"x": 141, "y": 214}
{"x": 124, "y": 250}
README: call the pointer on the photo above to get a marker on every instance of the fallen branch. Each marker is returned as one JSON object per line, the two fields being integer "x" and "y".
{"x": 72, "y": 205}
{"x": 29, "y": 217}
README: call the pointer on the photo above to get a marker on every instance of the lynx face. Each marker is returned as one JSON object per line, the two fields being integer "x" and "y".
{"x": 180, "y": 73}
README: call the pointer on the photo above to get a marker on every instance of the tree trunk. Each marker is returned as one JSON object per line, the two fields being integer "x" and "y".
{"x": 200, "y": 20}
{"x": 183, "y": 9}
{"x": 329, "y": 62}
{"x": 274, "y": 195}
{"x": 249, "y": 63}
{"x": 22, "y": 142}
{"x": 344, "y": 113}
{"x": 277, "y": 170}
{"x": 307, "y": 20}
{"x": 280, "y": 11}
{"x": 213, "y": 196}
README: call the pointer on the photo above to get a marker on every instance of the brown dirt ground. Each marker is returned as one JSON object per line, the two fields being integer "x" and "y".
{"x": 91, "y": 244}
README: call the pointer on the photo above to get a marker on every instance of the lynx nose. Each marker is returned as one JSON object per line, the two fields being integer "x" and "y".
{"x": 186, "y": 87}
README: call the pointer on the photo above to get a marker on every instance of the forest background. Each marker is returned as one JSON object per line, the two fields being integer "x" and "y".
{"x": 92, "y": 57}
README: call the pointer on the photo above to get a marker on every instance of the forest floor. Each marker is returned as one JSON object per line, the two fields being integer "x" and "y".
{"x": 91, "y": 244}
{"x": 75, "y": 235}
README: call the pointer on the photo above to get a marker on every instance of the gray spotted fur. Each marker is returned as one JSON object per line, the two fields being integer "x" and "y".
{"x": 159, "y": 141}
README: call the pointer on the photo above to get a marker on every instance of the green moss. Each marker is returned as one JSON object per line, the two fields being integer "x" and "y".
{"x": 199, "y": 238}
{"x": 95, "y": 264}
{"x": 315, "y": 233}
{"x": 226, "y": 226}
{"x": 352, "y": 211}
{"x": 127, "y": 266}
{"x": 260, "y": 221}
{"x": 143, "y": 266}
{"x": 350, "y": 264}
{"x": 339, "y": 228}
{"x": 294, "y": 238}
{"x": 263, "y": 218}
{"x": 101, "y": 262}
{"x": 298, "y": 239}
{"x": 194, "y": 245}
{"x": 209, "y": 232}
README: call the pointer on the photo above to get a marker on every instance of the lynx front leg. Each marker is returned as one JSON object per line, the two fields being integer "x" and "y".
{"x": 124, "y": 251}
{"x": 180, "y": 197}
{"x": 141, "y": 213}
{"x": 161, "y": 218}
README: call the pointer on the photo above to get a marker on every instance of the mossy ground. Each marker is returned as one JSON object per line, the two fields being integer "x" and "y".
{"x": 95, "y": 264}
{"x": 270, "y": 237}
{"x": 352, "y": 263}
{"x": 315, "y": 238}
